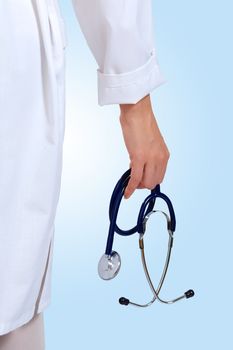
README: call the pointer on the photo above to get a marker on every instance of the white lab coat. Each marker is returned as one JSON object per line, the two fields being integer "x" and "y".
{"x": 32, "y": 122}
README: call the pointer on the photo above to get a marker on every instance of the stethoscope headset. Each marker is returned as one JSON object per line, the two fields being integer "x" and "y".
{"x": 110, "y": 262}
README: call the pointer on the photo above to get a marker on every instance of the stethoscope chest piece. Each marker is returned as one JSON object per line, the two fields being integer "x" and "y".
{"x": 110, "y": 262}
{"x": 109, "y": 265}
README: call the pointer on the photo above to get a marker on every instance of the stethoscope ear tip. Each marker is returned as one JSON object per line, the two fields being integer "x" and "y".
{"x": 123, "y": 301}
{"x": 189, "y": 294}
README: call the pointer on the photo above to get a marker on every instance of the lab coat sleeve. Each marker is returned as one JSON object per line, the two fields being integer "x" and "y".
{"x": 120, "y": 36}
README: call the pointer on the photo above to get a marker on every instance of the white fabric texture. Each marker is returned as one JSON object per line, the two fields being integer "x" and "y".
{"x": 31, "y": 137}
{"x": 121, "y": 37}
{"x": 32, "y": 124}
{"x": 30, "y": 336}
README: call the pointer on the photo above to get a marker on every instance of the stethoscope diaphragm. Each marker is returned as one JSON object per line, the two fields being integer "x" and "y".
{"x": 110, "y": 262}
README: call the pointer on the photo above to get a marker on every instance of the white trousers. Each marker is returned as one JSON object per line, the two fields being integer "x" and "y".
{"x": 30, "y": 336}
{"x": 32, "y": 119}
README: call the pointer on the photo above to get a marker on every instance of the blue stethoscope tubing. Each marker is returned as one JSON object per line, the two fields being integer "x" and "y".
{"x": 110, "y": 261}
{"x": 114, "y": 205}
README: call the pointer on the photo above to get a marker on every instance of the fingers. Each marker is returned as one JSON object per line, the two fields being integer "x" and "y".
{"x": 150, "y": 177}
{"x": 154, "y": 172}
{"x": 146, "y": 175}
{"x": 135, "y": 178}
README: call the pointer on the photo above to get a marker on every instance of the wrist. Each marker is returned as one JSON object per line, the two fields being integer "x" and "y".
{"x": 141, "y": 109}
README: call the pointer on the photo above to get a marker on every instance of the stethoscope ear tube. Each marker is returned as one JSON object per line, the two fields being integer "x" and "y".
{"x": 110, "y": 262}
{"x": 155, "y": 193}
{"x": 114, "y": 205}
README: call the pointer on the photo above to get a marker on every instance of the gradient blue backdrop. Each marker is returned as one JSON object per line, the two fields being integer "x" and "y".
{"x": 194, "y": 112}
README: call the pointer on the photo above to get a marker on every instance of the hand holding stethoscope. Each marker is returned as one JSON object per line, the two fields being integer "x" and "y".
{"x": 110, "y": 262}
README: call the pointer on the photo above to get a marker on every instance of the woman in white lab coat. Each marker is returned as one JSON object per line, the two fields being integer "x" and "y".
{"x": 32, "y": 64}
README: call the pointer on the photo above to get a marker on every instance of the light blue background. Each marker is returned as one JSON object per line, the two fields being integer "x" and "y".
{"x": 194, "y": 113}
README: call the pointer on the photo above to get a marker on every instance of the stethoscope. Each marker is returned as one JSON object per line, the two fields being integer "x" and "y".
{"x": 110, "y": 262}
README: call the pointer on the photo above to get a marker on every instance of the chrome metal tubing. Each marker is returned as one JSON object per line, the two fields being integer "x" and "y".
{"x": 157, "y": 291}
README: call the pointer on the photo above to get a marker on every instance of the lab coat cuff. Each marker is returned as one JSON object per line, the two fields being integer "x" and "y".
{"x": 129, "y": 87}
